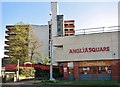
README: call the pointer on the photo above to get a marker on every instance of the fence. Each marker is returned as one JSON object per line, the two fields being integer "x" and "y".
{"x": 98, "y": 30}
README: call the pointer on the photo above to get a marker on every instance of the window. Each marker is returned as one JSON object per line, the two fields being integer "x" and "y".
{"x": 65, "y": 24}
{"x": 71, "y": 34}
{"x": 85, "y": 70}
{"x": 59, "y": 29}
{"x": 71, "y": 30}
{"x": 104, "y": 69}
{"x": 66, "y": 34}
{"x": 71, "y": 24}
{"x": 66, "y": 29}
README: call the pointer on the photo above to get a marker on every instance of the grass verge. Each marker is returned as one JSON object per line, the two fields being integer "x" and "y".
{"x": 79, "y": 82}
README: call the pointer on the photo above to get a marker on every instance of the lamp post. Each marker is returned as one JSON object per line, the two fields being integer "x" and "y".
{"x": 51, "y": 53}
{"x": 51, "y": 60}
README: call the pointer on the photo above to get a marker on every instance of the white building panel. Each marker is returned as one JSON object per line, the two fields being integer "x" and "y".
{"x": 53, "y": 14}
{"x": 40, "y": 33}
{"x": 106, "y": 41}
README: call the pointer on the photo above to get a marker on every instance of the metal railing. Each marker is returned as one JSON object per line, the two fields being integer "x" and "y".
{"x": 97, "y": 30}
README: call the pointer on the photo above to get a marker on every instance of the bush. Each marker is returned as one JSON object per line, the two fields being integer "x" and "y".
{"x": 27, "y": 71}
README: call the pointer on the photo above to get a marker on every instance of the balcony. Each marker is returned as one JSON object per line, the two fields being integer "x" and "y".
{"x": 7, "y": 47}
{"x": 9, "y": 32}
{"x": 10, "y": 37}
{"x": 7, "y": 42}
{"x": 7, "y": 37}
{"x": 7, "y": 58}
{"x": 70, "y": 26}
{"x": 9, "y": 53}
{"x": 67, "y": 21}
{"x": 69, "y": 32}
{"x": 10, "y": 26}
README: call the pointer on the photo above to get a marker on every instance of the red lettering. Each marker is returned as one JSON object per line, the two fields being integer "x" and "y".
{"x": 97, "y": 49}
{"x": 74, "y": 51}
{"x": 93, "y": 49}
{"x": 77, "y": 50}
{"x": 101, "y": 49}
{"x": 108, "y": 49}
{"x": 70, "y": 51}
{"x": 104, "y": 48}
{"x": 90, "y": 49}
{"x": 85, "y": 50}
{"x": 81, "y": 51}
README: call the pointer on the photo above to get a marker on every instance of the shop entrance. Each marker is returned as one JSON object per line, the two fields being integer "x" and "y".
{"x": 71, "y": 74}
{"x": 70, "y": 70}
{"x": 95, "y": 73}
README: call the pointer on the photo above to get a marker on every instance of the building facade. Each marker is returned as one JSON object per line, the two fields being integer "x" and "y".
{"x": 89, "y": 57}
{"x": 15, "y": 39}
{"x": 92, "y": 56}
{"x": 69, "y": 27}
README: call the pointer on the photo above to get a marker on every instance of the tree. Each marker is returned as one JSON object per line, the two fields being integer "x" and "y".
{"x": 19, "y": 43}
{"x": 24, "y": 45}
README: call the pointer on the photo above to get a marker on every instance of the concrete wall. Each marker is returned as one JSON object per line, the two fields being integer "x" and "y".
{"x": 54, "y": 12}
{"x": 40, "y": 33}
{"x": 86, "y": 41}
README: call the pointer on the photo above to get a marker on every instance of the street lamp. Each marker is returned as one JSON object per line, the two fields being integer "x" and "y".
{"x": 51, "y": 53}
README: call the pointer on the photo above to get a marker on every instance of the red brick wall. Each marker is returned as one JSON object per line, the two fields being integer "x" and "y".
{"x": 119, "y": 69}
{"x": 65, "y": 72}
{"x": 115, "y": 69}
{"x": 76, "y": 70}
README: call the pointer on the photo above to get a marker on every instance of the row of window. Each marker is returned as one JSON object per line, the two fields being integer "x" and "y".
{"x": 69, "y": 29}
{"x": 68, "y": 24}
{"x": 95, "y": 70}
{"x": 69, "y": 34}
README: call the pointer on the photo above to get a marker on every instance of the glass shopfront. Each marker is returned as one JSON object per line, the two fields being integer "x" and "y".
{"x": 95, "y": 71}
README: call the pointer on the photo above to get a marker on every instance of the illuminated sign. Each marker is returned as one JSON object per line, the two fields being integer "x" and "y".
{"x": 87, "y": 50}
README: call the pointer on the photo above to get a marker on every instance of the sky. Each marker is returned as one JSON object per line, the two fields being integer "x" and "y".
{"x": 86, "y": 14}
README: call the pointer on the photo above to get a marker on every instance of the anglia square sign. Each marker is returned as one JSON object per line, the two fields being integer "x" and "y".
{"x": 88, "y": 50}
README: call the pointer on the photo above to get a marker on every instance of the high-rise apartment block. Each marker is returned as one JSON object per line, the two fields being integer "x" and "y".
{"x": 16, "y": 42}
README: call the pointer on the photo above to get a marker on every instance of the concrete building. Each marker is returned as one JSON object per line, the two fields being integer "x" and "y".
{"x": 12, "y": 43}
{"x": 92, "y": 56}
{"x": 38, "y": 33}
